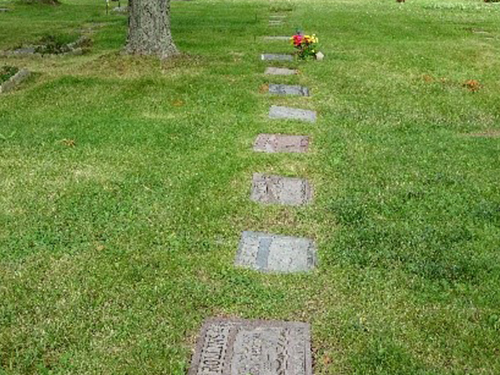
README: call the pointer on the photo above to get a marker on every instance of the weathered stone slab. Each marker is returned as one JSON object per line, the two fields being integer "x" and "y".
{"x": 277, "y": 38}
{"x": 479, "y": 31}
{"x": 13, "y": 81}
{"x": 486, "y": 134}
{"x": 269, "y": 189}
{"x": 276, "y": 57}
{"x": 252, "y": 347}
{"x": 77, "y": 47}
{"x": 280, "y": 71}
{"x": 288, "y": 90}
{"x": 32, "y": 51}
{"x": 23, "y": 51}
{"x": 121, "y": 9}
{"x": 272, "y": 253}
{"x": 287, "y": 113}
{"x": 281, "y": 143}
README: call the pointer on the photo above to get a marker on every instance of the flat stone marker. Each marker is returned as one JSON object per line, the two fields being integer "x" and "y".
{"x": 272, "y": 253}
{"x": 252, "y": 347}
{"x": 272, "y": 143}
{"x": 479, "y": 31}
{"x": 122, "y": 9}
{"x": 288, "y": 90}
{"x": 269, "y": 189}
{"x": 287, "y": 113}
{"x": 280, "y": 71}
{"x": 24, "y": 51}
{"x": 276, "y": 57}
{"x": 487, "y": 134}
{"x": 277, "y": 38}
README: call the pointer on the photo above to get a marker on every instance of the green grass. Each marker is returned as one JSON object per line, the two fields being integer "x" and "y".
{"x": 6, "y": 72}
{"x": 125, "y": 186}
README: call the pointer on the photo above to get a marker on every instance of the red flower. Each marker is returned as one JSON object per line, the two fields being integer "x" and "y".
{"x": 297, "y": 40}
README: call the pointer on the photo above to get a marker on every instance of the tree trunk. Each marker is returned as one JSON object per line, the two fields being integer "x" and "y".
{"x": 149, "y": 28}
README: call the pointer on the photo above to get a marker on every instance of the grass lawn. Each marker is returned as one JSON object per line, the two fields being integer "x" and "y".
{"x": 125, "y": 186}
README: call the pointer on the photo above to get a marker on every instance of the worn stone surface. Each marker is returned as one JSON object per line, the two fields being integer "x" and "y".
{"x": 121, "y": 9}
{"x": 256, "y": 347}
{"x": 77, "y": 47}
{"x": 13, "y": 81}
{"x": 278, "y": 112}
{"x": 280, "y": 71}
{"x": 273, "y": 253}
{"x": 491, "y": 133}
{"x": 270, "y": 189}
{"x": 288, "y": 90}
{"x": 277, "y": 38}
{"x": 276, "y": 57}
{"x": 32, "y": 51}
{"x": 19, "y": 52}
{"x": 281, "y": 143}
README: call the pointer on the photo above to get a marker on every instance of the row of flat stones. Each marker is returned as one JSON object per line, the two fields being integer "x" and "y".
{"x": 270, "y": 252}
{"x": 258, "y": 347}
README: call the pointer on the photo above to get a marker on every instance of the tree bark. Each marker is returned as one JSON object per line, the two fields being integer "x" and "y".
{"x": 149, "y": 28}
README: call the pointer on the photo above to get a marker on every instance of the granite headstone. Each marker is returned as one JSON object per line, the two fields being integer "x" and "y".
{"x": 276, "y": 57}
{"x": 273, "y": 253}
{"x": 287, "y": 113}
{"x": 270, "y": 189}
{"x": 280, "y": 71}
{"x": 278, "y": 89}
{"x": 272, "y": 143}
{"x": 256, "y": 347}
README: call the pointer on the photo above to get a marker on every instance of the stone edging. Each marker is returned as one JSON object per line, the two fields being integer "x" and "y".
{"x": 15, "y": 80}
{"x": 76, "y": 52}
{"x": 75, "y": 48}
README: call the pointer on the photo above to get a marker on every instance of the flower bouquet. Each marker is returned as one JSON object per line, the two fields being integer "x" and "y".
{"x": 306, "y": 45}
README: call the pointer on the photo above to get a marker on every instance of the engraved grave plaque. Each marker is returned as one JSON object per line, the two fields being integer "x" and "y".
{"x": 256, "y": 347}
{"x": 280, "y": 71}
{"x": 272, "y": 253}
{"x": 269, "y": 189}
{"x": 281, "y": 143}
{"x": 276, "y": 57}
{"x": 288, "y": 90}
{"x": 286, "y": 113}
{"x": 277, "y": 38}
